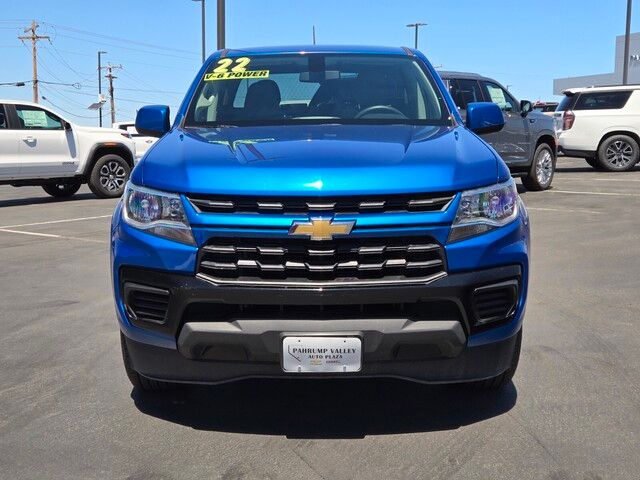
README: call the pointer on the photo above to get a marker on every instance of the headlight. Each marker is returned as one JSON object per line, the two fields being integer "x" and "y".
{"x": 484, "y": 209}
{"x": 159, "y": 213}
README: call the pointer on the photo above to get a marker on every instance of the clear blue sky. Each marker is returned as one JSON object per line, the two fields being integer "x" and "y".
{"x": 522, "y": 43}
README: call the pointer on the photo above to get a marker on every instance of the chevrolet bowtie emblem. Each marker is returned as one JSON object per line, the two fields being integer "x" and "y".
{"x": 321, "y": 228}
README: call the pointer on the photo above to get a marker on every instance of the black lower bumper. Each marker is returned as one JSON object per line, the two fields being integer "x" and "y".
{"x": 472, "y": 363}
{"x": 430, "y": 344}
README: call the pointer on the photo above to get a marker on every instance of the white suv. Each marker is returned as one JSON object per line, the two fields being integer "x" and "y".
{"x": 40, "y": 147}
{"x": 601, "y": 125}
{"x": 143, "y": 142}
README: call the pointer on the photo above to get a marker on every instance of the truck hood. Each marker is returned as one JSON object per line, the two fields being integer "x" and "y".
{"x": 319, "y": 159}
{"x": 99, "y": 130}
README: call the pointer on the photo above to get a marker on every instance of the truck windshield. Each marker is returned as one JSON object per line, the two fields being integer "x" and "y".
{"x": 316, "y": 88}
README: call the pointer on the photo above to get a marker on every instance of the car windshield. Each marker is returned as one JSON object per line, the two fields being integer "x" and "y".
{"x": 316, "y": 88}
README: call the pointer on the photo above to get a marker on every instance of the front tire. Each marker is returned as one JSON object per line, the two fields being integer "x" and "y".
{"x": 504, "y": 378}
{"x": 109, "y": 176}
{"x": 618, "y": 153}
{"x": 62, "y": 189}
{"x": 542, "y": 169}
{"x": 592, "y": 162}
{"x": 139, "y": 382}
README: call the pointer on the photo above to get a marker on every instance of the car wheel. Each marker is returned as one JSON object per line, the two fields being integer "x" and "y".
{"x": 592, "y": 161}
{"x": 542, "y": 169}
{"x": 109, "y": 176}
{"x": 138, "y": 381}
{"x": 504, "y": 378}
{"x": 618, "y": 153}
{"x": 62, "y": 189}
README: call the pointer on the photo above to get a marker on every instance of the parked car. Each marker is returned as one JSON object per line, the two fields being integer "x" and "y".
{"x": 528, "y": 142}
{"x": 320, "y": 211}
{"x": 548, "y": 108}
{"x": 143, "y": 142}
{"x": 601, "y": 125}
{"x": 39, "y": 147}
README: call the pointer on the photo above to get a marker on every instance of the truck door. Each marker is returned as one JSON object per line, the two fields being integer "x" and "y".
{"x": 513, "y": 141}
{"x": 9, "y": 144}
{"x": 46, "y": 148}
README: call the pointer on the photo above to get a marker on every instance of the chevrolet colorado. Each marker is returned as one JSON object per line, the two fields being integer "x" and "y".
{"x": 320, "y": 212}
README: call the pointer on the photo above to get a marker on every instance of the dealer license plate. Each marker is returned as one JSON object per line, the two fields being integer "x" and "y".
{"x": 321, "y": 354}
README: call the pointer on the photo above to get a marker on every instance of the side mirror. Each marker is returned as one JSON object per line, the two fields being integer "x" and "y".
{"x": 67, "y": 126}
{"x": 484, "y": 117}
{"x": 153, "y": 120}
{"x": 525, "y": 107}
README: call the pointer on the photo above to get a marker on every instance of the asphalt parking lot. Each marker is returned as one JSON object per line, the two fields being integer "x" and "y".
{"x": 67, "y": 410}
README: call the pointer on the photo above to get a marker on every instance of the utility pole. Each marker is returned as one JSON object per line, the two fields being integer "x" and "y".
{"x": 100, "y": 53}
{"x": 221, "y": 24}
{"x": 314, "y": 34}
{"x": 34, "y": 37}
{"x": 627, "y": 37}
{"x": 416, "y": 26}
{"x": 110, "y": 76}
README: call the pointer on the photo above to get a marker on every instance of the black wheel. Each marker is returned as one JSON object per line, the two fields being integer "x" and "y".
{"x": 109, "y": 176}
{"x": 542, "y": 169}
{"x": 501, "y": 380}
{"x": 138, "y": 381}
{"x": 618, "y": 153}
{"x": 63, "y": 189}
{"x": 592, "y": 162}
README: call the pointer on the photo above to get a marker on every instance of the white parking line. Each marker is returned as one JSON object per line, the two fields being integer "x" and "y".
{"x": 586, "y": 179}
{"x": 51, "y": 235}
{"x": 612, "y": 194}
{"x": 565, "y": 210}
{"x": 79, "y": 219}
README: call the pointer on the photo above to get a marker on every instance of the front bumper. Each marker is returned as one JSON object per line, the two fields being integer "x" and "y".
{"x": 445, "y": 346}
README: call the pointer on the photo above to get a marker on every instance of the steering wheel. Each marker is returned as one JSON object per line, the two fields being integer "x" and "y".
{"x": 373, "y": 108}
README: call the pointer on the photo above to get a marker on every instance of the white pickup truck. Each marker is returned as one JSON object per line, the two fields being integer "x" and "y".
{"x": 39, "y": 147}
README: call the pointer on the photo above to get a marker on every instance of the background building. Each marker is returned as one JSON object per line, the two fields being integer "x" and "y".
{"x": 613, "y": 78}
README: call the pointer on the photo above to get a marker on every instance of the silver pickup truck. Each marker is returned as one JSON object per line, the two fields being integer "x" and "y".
{"x": 528, "y": 141}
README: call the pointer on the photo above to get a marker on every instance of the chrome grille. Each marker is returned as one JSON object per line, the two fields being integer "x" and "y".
{"x": 297, "y": 262}
{"x": 301, "y": 205}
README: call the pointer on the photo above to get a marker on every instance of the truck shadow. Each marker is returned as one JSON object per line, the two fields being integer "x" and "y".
{"x": 325, "y": 408}
{"x": 15, "y": 202}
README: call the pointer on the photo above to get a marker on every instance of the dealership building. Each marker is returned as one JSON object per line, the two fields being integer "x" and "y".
{"x": 613, "y": 78}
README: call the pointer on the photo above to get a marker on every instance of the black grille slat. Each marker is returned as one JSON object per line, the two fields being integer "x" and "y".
{"x": 304, "y": 205}
{"x": 422, "y": 310}
{"x": 349, "y": 259}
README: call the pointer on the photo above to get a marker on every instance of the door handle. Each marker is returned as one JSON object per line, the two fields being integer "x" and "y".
{"x": 29, "y": 139}
{"x": 532, "y": 120}
{"x": 148, "y": 141}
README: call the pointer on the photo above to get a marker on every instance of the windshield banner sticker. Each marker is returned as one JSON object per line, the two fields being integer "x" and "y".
{"x": 237, "y": 72}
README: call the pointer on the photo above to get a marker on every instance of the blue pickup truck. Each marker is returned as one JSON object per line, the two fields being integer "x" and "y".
{"x": 320, "y": 212}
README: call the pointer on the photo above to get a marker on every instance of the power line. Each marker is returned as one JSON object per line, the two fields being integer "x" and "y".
{"x": 63, "y": 110}
{"x": 55, "y": 92}
{"x": 122, "y": 47}
{"x": 70, "y": 52}
{"x": 59, "y": 56}
{"x": 117, "y": 39}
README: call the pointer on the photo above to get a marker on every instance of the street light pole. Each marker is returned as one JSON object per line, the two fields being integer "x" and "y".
{"x": 221, "y": 25}
{"x": 100, "y": 53}
{"x": 416, "y": 26}
{"x": 627, "y": 35}
{"x": 202, "y": 20}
